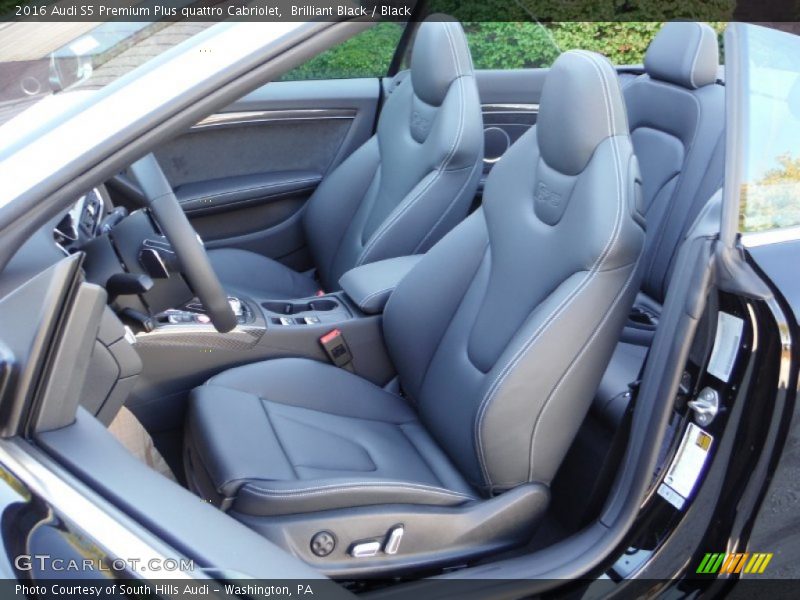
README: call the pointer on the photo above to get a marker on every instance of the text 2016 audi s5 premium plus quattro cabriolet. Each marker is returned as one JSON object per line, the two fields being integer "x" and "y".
{"x": 409, "y": 327}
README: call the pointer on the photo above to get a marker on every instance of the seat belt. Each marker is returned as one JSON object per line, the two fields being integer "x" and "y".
{"x": 335, "y": 346}
{"x": 619, "y": 442}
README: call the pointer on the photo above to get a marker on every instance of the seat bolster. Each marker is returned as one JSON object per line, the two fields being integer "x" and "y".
{"x": 260, "y": 498}
{"x": 316, "y": 386}
{"x": 435, "y": 458}
{"x": 251, "y": 274}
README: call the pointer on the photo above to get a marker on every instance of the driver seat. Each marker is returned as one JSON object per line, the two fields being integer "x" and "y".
{"x": 500, "y": 335}
{"x": 398, "y": 193}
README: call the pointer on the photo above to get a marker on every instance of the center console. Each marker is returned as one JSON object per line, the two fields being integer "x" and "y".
{"x": 293, "y": 313}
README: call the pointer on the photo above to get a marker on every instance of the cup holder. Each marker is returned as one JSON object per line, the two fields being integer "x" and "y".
{"x": 291, "y": 308}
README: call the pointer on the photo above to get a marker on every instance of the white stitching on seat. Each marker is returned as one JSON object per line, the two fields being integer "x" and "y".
{"x": 500, "y": 378}
{"x": 404, "y": 207}
{"x": 618, "y": 228}
{"x": 596, "y": 331}
{"x": 325, "y": 489}
{"x": 369, "y": 297}
{"x": 696, "y": 54}
{"x": 450, "y": 206}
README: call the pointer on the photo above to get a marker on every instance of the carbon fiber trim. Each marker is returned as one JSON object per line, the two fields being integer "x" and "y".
{"x": 241, "y": 338}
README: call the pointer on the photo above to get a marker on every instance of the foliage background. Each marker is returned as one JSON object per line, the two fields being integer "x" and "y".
{"x": 494, "y": 45}
{"x": 773, "y": 201}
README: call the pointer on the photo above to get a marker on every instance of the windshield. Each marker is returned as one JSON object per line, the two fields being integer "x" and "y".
{"x": 770, "y": 193}
{"x": 38, "y": 60}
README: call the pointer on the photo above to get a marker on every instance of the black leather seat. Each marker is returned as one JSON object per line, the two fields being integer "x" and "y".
{"x": 401, "y": 191}
{"x": 676, "y": 112}
{"x": 309, "y": 436}
{"x": 499, "y": 334}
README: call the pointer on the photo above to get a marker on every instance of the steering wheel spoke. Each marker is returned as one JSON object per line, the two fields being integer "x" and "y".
{"x": 188, "y": 246}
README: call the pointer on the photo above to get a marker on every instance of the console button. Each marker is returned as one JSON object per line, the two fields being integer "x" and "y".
{"x": 365, "y": 549}
{"x": 323, "y": 543}
{"x": 394, "y": 539}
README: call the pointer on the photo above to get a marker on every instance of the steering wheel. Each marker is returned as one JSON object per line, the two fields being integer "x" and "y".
{"x": 188, "y": 246}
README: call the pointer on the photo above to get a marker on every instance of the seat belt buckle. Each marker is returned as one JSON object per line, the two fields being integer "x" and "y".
{"x": 337, "y": 349}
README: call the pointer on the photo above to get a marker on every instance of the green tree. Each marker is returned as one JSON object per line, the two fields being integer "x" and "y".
{"x": 773, "y": 201}
{"x": 494, "y": 45}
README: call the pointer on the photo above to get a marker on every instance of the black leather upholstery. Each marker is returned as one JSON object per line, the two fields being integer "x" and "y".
{"x": 247, "y": 273}
{"x": 685, "y": 54}
{"x": 294, "y": 435}
{"x": 406, "y": 187}
{"x": 500, "y": 335}
{"x": 677, "y": 117}
{"x": 371, "y": 285}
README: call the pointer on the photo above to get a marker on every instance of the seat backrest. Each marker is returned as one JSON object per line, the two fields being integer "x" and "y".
{"x": 501, "y": 332}
{"x": 676, "y": 112}
{"x": 415, "y": 179}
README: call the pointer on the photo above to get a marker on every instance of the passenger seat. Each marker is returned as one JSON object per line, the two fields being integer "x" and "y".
{"x": 676, "y": 111}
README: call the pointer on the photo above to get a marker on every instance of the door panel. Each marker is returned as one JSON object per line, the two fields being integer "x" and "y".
{"x": 510, "y": 105}
{"x": 244, "y": 174}
{"x": 214, "y": 152}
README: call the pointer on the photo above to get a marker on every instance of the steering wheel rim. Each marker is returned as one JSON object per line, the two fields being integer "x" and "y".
{"x": 188, "y": 246}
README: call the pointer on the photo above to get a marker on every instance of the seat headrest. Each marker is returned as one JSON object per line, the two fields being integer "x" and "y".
{"x": 439, "y": 57}
{"x": 580, "y": 106}
{"x": 684, "y": 53}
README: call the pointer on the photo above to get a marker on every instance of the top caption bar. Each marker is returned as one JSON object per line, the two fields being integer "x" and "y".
{"x": 398, "y": 10}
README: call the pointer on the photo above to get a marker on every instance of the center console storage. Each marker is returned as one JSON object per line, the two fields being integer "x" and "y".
{"x": 305, "y": 312}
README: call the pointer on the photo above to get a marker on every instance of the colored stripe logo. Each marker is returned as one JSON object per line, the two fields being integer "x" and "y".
{"x": 743, "y": 562}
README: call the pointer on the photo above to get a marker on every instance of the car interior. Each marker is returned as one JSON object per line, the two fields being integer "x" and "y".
{"x": 394, "y": 325}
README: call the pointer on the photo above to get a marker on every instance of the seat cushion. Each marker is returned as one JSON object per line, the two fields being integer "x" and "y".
{"x": 257, "y": 276}
{"x": 295, "y": 435}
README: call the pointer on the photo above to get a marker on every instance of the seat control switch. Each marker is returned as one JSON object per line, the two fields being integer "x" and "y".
{"x": 365, "y": 549}
{"x": 393, "y": 540}
{"x": 323, "y": 543}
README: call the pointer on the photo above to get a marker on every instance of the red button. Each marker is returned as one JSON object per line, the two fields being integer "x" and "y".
{"x": 330, "y": 336}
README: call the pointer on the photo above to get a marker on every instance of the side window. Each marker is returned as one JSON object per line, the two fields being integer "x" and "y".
{"x": 770, "y": 190}
{"x": 366, "y": 54}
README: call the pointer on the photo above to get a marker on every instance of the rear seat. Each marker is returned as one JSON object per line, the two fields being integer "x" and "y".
{"x": 676, "y": 112}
